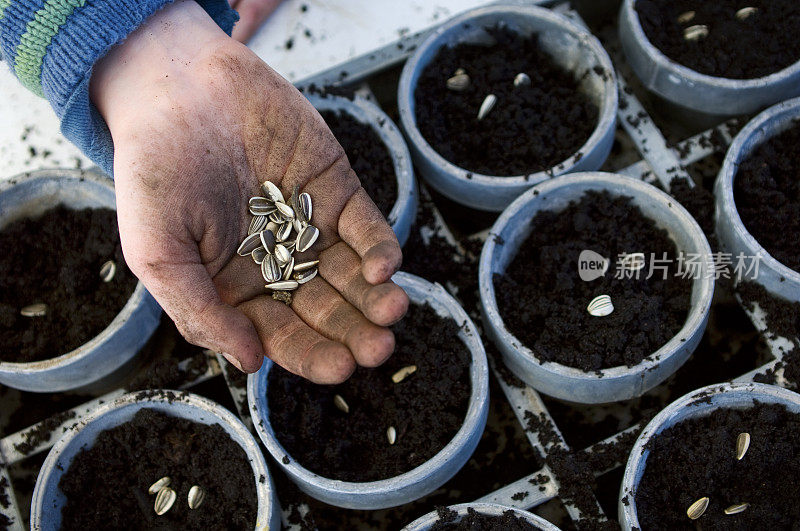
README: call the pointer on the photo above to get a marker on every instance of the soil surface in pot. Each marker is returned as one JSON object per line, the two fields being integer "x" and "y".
{"x": 475, "y": 521}
{"x": 426, "y": 409}
{"x": 766, "y": 190}
{"x": 531, "y": 128}
{"x": 368, "y": 156}
{"x": 56, "y": 259}
{"x": 543, "y": 300}
{"x": 106, "y": 486}
{"x": 761, "y": 44}
{"x": 697, "y": 458}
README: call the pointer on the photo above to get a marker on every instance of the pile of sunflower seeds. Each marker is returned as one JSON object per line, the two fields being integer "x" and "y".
{"x": 278, "y": 230}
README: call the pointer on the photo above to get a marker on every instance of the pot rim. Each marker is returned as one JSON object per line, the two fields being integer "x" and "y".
{"x": 135, "y": 301}
{"x": 265, "y": 492}
{"x": 607, "y": 113}
{"x": 658, "y": 57}
{"x": 475, "y": 418}
{"x": 425, "y": 522}
{"x": 760, "y": 125}
{"x": 695, "y": 318}
{"x": 699, "y": 400}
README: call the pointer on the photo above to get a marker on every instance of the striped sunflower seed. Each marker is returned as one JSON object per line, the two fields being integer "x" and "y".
{"x": 685, "y": 18}
{"x": 284, "y": 232}
{"x": 746, "y": 12}
{"x": 340, "y": 404}
{"x": 267, "y": 240}
{"x": 600, "y": 306}
{"x": 249, "y": 245}
{"x": 458, "y": 82}
{"x": 736, "y": 509}
{"x": 404, "y": 373}
{"x": 283, "y": 285}
{"x": 257, "y": 224}
{"x": 272, "y": 192}
{"x": 697, "y": 509}
{"x": 164, "y": 500}
{"x": 276, "y": 217}
{"x": 306, "y": 207}
{"x": 306, "y": 238}
{"x": 270, "y": 269}
{"x": 742, "y": 444}
{"x": 305, "y": 276}
{"x": 108, "y": 270}
{"x": 258, "y": 255}
{"x": 695, "y": 33}
{"x": 288, "y": 269}
{"x": 305, "y": 266}
{"x": 261, "y": 206}
{"x": 391, "y": 434}
{"x": 196, "y": 496}
{"x": 487, "y": 105}
{"x": 285, "y": 210}
{"x": 282, "y": 254}
{"x": 160, "y": 484}
{"x": 34, "y": 310}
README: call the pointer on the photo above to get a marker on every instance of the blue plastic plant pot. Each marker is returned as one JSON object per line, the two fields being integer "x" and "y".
{"x": 31, "y": 195}
{"x": 690, "y": 89}
{"x": 776, "y": 278}
{"x": 419, "y": 481}
{"x": 570, "y": 46}
{"x": 402, "y": 215}
{"x": 616, "y": 383}
{"x": 48, "y": 498}
{"x": 424, "y": 523}
{"x": 696, "y": 404}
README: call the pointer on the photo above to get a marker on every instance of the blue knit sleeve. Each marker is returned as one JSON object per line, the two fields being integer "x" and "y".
{"x": 51, "y": 46}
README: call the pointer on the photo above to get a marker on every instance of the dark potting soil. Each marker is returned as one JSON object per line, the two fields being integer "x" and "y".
{"x": 760, "y": 45}
{"x": 426, "y": 409}
{"x": 766, "y": 191}
{"x": 698, "y": 201}
{"x": 530, "y": 129}
{"x": 543, "y": 300}
{"x": 368, "y": 156}
{"x": 106, "y": 485}
{"x": 696, "y": 458}
{"x": 475, "y": 521}
{"x": 56, "y": 259}
{"x": 43, "y": 432}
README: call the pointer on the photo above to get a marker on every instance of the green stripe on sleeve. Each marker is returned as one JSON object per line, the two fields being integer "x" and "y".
{"x": 37, "y": 37}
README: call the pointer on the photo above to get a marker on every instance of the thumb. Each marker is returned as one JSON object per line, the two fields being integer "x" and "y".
{"x": 174, "y": 274}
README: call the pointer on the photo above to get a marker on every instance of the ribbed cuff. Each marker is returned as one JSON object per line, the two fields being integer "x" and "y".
{"x": 52, "y": 45}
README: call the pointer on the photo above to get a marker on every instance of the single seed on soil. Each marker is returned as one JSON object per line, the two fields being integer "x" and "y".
{"x": 600, "y": 306}
{"x": 522, "y": 80}
{"x": 746, "y": 12}
{"x": 306, "y": 238}
{"x": 695, "y": 33}
{"x": 108, "y": 270}
{"x": 632, "y": 261}
{"x": 257, "y": 224}
{"x": 305, "y": 266}
{"x": 281, "y": 254}
{"x": 270, "y": 269}
{"x": 458, "y": 83}
{"x": 404, "y": 373}
{"x": 284, "y": 232}
{"x": 267, "y": 239}
{"x": 34, "y": 310}
{"x": 272, "y": 192}
{"x": 306, "y": 207}
{"x": 164, "y": 500}
{"x": 697, "y": 509}
{"x": 391, "y": 434}
{"x": 250, "y": 244}
{"x": 285, "y": 210}
{"x": 258, "y": 255}
{"x": 283, "y": 285}
{"x": 459, "y": 71}
{"x": 196, "y": 496}
{"x": 742, "y": 444}
{"x": 487, "y": 106}
{"x": 738, "y": 508}
{"x": 288, "y": 269}
{"x": 340, "y": 404}
{"x": 305, "y": 276}
{"x": 158, "y": 485}
{"x": 685, "y": 18}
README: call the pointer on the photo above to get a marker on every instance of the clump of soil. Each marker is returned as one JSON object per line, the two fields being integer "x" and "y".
{"x": 56, "y": 259}
{"x": 531, "y": 128}
{"x": 426, "y": 409}
{"x": 543, "y": 300}
{"x": 475, "y": 521}
{"x": 766, "y": 191}
{"x": 43, "y": 432}
{"x": 106, "y": 485}
{"x": 760, "y": 45}
{"x": 368, "y": 156}
{"x": 697, "y": 458}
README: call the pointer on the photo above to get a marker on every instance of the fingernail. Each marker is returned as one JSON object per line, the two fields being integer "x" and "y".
{"x": 233, "y": 361}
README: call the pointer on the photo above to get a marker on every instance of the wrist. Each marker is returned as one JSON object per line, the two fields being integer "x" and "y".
{"x": 165, "y": 48}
